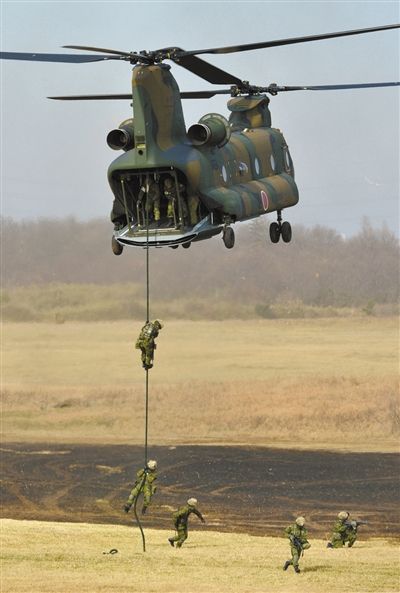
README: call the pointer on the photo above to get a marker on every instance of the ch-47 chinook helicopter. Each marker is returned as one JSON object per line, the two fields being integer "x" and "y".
{"x": 174, "y": 186}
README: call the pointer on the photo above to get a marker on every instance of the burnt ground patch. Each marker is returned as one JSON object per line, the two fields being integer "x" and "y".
{"x": 244, "y": 489}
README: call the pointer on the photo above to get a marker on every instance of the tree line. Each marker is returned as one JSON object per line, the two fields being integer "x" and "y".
{"x": 319, "y": 267}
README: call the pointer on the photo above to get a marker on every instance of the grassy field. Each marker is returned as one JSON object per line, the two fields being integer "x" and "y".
{"x": 330, "y": 383}
{"x": 49, "y": 557}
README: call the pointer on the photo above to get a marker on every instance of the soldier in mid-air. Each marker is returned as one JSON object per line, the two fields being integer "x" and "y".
{"x": 144, "y": 483}
{"x": 344, "y": 531}
{"x": 181, "y": 518}
{"x": 297, "y": 535}
{"x": 146, "y": 343}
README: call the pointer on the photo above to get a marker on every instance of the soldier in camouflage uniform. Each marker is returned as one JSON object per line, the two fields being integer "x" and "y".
{"x": 181, "y": 518}
{"x": 343, "y": 531}
{"x": 152, "y": 199}
{"x": 297, "y": 535}
{"x": 146, "y": 343}
{"x": 144, "y": 483}
{"x": 171, "y": 193}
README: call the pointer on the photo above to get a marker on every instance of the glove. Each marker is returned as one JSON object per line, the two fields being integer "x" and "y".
{"x": 127, "y": 508}
{"x": 144, "y": 509}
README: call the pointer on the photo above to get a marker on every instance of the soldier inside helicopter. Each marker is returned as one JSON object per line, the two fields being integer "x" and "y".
{"x": 155, "y": 199}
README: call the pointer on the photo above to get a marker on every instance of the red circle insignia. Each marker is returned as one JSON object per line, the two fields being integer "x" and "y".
{"x": 264, "y": 199}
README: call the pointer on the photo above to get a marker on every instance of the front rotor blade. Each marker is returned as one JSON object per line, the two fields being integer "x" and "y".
{"x": 329, "y": 87}
{"x": 116, "y": 52}
{"x": 68, "y": 58}
{"x": 199, "y": 67}
{"x": 289, "y": 41}
{"x": 123, "y": 55}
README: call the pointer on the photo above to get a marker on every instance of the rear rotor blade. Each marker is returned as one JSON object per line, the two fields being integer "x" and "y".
{"x": 68, "y": 58}
{"x": 289, "y": 41}
{"x": 92, "y": 97}
{"x": 204, "y": 94}
{"x": 328, "y": 87}
{"x": 184, "y": 95}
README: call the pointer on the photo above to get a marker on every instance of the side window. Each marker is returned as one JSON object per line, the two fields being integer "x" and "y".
{"x": 287, "y": 160}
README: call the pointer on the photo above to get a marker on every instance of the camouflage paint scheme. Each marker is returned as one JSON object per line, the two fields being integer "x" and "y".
{"x": 250, "y": 175}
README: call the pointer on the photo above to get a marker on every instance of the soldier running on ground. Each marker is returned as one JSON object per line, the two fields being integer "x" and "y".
{"x": 344, "y": 531}
{"x": 144, "y": 483}
{"x": 297, "y": 535}
{"x": 146, "y": 343}
{"x": 181, "y": 518}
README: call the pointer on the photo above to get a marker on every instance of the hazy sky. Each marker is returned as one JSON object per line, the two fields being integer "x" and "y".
{"x": 345, "y": 144}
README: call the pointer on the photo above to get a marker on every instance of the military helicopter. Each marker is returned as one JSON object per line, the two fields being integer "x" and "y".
{"x": 174, "y": 186}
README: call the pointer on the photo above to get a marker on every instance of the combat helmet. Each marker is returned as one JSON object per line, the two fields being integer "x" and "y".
{"x": 152, "y": 464}
{"x": 159, "y": 322}
{"x": 192, "y": 502}
{"x": 343, "y": 515}
{"x": 300, "y": 521}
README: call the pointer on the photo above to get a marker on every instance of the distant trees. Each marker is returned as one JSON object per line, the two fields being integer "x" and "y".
{"x": 319, "y": 267}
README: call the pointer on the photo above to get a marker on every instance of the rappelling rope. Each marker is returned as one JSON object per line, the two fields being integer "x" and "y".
{"x": 146, "y": 426}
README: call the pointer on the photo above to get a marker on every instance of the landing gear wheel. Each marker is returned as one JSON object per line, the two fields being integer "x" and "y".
{"x": 274, "y": 232}
{"x": 174, "y": 246}
{"x": 286, "y": 232}
{"x": 228, "y": 237}
{"x": 116, "y": 247}
{"x": 186, "y": 245}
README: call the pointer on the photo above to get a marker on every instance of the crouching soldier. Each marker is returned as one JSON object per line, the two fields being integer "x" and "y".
{"x": 181, "y": 518}
{"x": 144, "y": 483}
{"x": 146, "y": 343}
{"x": 297, "y": 535}
{"x": 344, "y": 531}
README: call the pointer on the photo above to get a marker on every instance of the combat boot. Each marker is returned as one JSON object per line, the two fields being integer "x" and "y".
{"x": 171, "y": 541}
{"x": 297, "y": 569}
{"x": 286, "y": 565}
{"x": 329, "y": 545}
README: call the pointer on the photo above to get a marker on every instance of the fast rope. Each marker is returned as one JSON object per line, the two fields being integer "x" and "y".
{"x": 146, "y": 426}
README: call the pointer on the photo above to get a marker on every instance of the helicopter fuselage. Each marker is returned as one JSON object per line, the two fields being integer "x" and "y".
{"x": 233, "y": 171}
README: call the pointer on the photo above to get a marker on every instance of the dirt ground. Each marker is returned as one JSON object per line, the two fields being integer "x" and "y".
{"x": 249, "y": 490}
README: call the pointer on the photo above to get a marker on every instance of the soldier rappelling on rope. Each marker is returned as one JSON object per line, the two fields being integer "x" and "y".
{"x": 145, "y": 479}
{"x": 146, "y": 342}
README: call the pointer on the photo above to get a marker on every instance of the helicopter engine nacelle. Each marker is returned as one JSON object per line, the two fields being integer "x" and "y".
{"x": 123, "y": 138}
{"x": 212, "y": 130}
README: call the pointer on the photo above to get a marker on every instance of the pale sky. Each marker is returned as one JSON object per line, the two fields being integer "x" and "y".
{"x": 345, "y": 144}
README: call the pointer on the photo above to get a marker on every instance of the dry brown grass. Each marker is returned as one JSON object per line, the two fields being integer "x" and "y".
{"x": 308, "y": 383}
{"x": 49, "y": 557}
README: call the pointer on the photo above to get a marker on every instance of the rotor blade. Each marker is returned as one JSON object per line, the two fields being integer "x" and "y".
{"x": 204, "y": 94}
{"x": 289, "y": 41}
{"x": 329, "y": 87}
{"x": 99, "y": 49}
{"x": 123, "y": 55}
{"x": 184, "y": 95}
{"x": 199, "y": 67}
{"x": 91, "y": 97}
{"x": 69, "y": 58}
